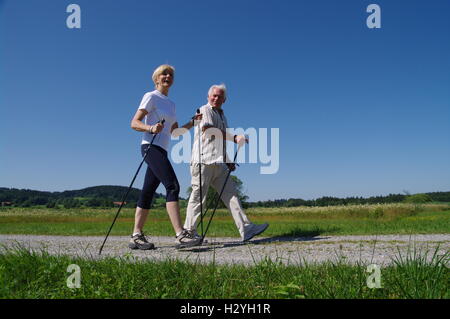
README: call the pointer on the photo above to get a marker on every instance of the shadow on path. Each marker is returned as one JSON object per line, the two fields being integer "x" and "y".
{"x": 295, "y": 235}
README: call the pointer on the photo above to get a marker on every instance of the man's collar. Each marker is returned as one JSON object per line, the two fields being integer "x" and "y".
{"x": 219, "y": 110}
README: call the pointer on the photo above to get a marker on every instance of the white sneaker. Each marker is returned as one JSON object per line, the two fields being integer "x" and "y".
{"x": 253, "y": 230}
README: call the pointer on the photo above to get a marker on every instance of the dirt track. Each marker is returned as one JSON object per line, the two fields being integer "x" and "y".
{"x": 378, "y": 250}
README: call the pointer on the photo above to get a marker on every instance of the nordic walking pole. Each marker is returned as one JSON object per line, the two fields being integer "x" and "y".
{"x": 200, "y": 173}
{"x": 129, "y": 188}
{"x": 220, "y": 195}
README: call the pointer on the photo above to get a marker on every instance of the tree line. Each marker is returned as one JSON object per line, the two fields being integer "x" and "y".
{"x": 106, "y": 196}
{"x": 335, "y": 201}
{"x": 97, "y": 196}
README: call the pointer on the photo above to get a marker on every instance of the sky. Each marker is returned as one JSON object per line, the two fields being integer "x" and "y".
{"x": 360, "y": 111}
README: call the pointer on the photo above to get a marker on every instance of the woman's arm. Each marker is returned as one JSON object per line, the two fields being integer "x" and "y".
{"x": 186, "y": 126}
{"x": 138, "y": 125}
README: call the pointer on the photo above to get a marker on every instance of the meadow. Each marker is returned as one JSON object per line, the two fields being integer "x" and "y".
{"x": 293, "y": 221}
{"x": 25, "y": 274}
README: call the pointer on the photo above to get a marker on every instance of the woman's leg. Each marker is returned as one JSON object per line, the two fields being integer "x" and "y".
{"x": 138, "y": 240}
{"x": 170, "y": 182}
{"x": 173, "y": 209}
{"x": 151, "y": 183}
{"x": 139, "y": 219}
{"x": 163, "y": 172}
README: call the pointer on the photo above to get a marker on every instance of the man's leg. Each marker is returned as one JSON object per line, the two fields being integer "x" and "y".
{"x": 230, "y": 197}
{"x": 193, "y": 208}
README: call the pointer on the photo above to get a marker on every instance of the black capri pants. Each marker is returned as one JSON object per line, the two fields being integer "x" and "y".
{"x": 159, "y": 170}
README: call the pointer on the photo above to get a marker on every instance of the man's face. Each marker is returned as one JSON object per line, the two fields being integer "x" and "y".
{"x": 216, "y": 98}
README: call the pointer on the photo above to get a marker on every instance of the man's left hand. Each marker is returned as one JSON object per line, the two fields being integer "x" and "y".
{"x": 231, "y": 166}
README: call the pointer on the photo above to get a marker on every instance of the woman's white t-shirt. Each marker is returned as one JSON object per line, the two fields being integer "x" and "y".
{"x": 158, "y": 107}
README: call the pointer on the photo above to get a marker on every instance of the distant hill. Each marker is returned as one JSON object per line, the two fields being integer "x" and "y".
{"x": 105, "y": 196}
{"x": 112, "y": 192}
{"x": 91, "y": 196}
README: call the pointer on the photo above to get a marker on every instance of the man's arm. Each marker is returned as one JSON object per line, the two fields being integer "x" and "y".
{"x": 238, "y": 139}
{"x": 226, "y": 136}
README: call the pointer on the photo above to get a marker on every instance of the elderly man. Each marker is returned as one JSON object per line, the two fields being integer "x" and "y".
{"x": 214, "y": 166}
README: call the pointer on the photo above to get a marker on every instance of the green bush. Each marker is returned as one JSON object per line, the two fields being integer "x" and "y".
{"x": 418, "y": 199}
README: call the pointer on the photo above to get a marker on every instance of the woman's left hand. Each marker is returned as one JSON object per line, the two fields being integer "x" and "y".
{"x": 241, "y": 140}
{"x": 197, "y": 117}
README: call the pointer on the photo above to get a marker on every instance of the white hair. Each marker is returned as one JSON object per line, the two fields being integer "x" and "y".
{"x": 219, "y": 86}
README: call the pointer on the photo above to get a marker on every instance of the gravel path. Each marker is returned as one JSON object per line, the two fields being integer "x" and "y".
{"x": 378, "y": 250}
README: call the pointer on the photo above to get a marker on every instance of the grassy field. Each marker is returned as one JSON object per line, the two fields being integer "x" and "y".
{"x": 39, "y": 275}
{"x": 296, "y": 221}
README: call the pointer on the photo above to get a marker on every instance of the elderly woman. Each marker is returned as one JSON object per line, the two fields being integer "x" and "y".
{"x": 155, "y": 107}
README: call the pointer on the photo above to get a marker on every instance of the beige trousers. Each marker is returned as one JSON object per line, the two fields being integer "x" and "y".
{"x": 214, "y": 175}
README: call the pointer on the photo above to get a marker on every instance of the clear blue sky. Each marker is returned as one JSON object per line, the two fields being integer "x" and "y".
{"x": 361, "y": 112}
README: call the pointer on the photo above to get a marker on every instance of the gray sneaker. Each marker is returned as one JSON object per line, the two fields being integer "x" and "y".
{"x": 194, "y": 234}
{"x": 253, "y": 230}
{"x": 139, "y": 241}
{"x": 185, "y": 239}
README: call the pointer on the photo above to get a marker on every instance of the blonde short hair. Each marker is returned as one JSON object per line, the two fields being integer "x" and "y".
{"x": 160, "y": 70}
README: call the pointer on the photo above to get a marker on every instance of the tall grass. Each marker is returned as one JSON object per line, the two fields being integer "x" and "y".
{"x": 25, "y": 274}
{"x": 298, "y": 221}
{"x": 426, "y": 279}
{"x": 358, "y": 211}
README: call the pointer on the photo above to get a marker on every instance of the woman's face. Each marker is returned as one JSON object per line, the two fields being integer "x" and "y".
{"x": 165, "y": 79}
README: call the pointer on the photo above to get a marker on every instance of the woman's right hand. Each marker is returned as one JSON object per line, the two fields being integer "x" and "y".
{"x": 155, "y": 129}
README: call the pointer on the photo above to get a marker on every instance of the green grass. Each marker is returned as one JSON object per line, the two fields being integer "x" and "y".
{"x": 24, "y": 274}
{"x": 295, "y": 221}
{"x": 39, "y": 275}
